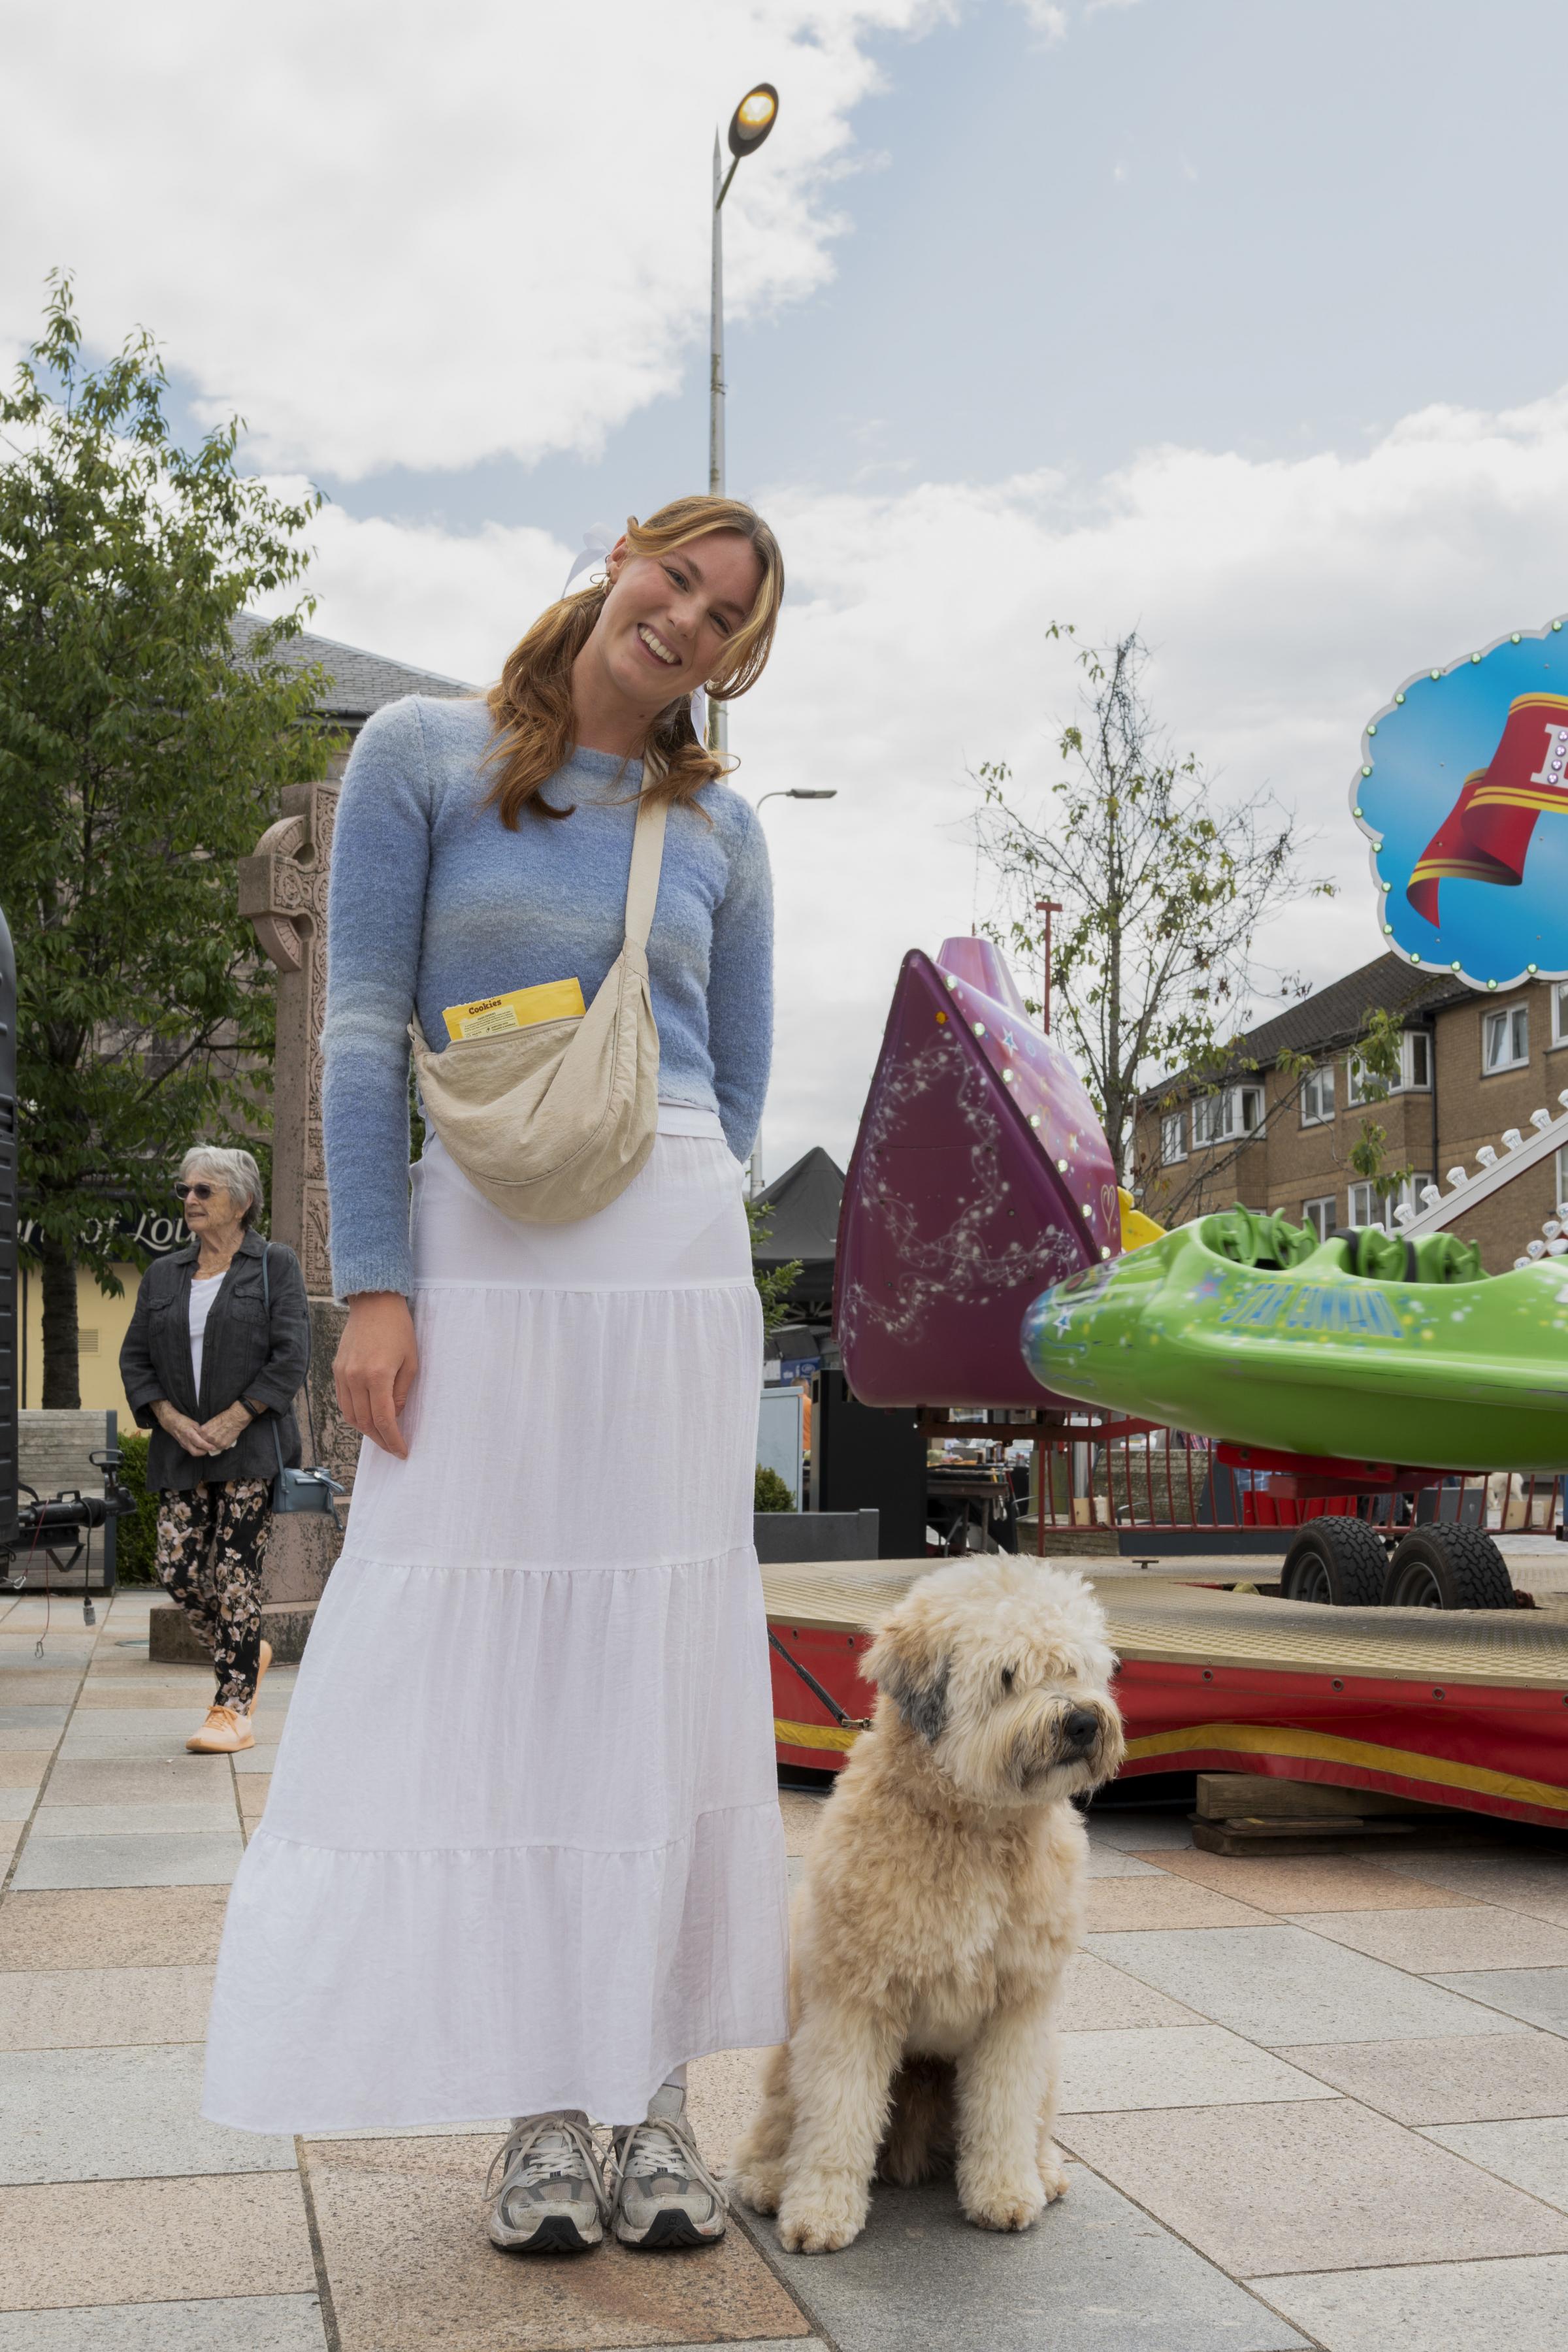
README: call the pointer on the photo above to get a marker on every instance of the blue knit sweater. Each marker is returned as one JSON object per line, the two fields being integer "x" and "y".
{"x": 434, "y": 902}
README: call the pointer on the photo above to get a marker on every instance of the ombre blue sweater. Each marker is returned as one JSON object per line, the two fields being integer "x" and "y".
{"x": 433, "y": 902}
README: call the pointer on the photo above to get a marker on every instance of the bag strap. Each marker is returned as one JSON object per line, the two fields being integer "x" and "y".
{"x": 272, "y": 1417}
{"x": 647, "y": 863}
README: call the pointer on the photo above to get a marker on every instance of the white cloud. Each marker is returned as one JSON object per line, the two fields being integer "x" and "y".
{"x": 390, "y": 234}
{"x": 1283, "y": 602}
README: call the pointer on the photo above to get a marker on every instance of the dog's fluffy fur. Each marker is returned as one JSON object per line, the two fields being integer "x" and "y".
{"x": 942, "y": 1898}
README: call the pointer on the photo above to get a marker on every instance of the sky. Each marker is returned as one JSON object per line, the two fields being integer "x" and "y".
{"x": 1230, "y": 323}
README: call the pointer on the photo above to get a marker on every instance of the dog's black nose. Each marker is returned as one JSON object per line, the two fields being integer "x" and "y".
{"x": 1081, "y": 1727}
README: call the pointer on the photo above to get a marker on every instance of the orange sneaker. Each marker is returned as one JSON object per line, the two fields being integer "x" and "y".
{"x": 224, "y": 1733}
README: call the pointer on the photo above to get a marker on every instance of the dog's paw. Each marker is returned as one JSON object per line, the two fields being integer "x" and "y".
{"x": 760, "y": 2186}
{"x": 819, "y": 2220}
{"x": 1053, "y": 2172}
{"x": 1004, "y": 2204}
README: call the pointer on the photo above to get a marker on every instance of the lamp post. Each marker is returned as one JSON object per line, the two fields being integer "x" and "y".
{"x": 748, "y": 126}
{"x": 1047, "y": 907}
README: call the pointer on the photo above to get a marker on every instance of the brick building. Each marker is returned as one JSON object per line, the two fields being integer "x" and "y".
{"x": 1472, "y": 1066}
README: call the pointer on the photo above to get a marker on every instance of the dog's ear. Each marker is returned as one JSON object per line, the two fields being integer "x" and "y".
{"x": 908, "y": 1660}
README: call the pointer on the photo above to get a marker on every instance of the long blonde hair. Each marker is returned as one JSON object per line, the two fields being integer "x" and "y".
{"x": 531, "y": 706}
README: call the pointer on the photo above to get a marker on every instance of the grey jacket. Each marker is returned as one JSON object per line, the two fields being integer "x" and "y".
{"x": 244, "y": 1352}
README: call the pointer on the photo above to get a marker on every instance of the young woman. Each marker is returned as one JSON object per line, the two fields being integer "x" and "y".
{"x": 522, "y": 1853}
{"x": 211, "y": 1364}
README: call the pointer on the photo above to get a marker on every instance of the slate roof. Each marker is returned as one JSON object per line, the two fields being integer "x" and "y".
{"x": 1336, "y": 1016}
{"x": 802, "y": 1204}
{"x": 361, "y": 682}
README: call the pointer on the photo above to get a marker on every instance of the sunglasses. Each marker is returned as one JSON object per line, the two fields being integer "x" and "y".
{"x": 193, "y": 1191}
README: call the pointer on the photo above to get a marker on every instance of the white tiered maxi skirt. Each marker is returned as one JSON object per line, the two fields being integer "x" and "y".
{"x": 522, "y": 1846}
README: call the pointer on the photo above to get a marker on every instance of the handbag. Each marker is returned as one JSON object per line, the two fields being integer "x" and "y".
{"x": 552, "y": 1121}
{"x": 298, "y": 1490}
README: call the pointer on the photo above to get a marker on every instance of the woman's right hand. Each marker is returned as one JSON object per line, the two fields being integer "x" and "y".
{"x": 374, "y": 1369}
{"x": 183, "y": 1430}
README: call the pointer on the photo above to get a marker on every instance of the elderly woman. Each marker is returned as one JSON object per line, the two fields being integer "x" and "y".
{"x": 212, "y": 1363}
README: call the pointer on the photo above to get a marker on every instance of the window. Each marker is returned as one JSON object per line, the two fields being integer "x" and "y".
{"x": 1223, "y": 1118}
{"x": 1366, "y": 1209}
{"x": 1505, "y": 1039}
{"x": 1560, "y": 1013}
{"x": 1318, "y": 1095}
{"x": 1323, "y": 1215}
{"x": 1415, "y": 1072}
{"x": 1562, "y": 1177}
{"x": 1172, "y": 1138}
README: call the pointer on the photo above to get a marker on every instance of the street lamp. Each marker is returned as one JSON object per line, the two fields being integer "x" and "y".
{"x": 1046, "y": 907}
{"x": 748, "y": 126}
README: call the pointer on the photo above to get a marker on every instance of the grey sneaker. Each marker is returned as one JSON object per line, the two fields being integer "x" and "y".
{"x": 552, "y": 2199}
{"x": 664, "y": 2193}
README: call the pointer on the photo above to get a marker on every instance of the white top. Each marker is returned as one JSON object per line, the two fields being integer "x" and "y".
{"x": 204, "y": 1290}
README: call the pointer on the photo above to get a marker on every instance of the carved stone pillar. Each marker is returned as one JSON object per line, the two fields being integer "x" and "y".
{"x": 283, "y": 890}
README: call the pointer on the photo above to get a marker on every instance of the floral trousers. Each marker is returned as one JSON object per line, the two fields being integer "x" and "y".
{"x": 210, "y": 1543}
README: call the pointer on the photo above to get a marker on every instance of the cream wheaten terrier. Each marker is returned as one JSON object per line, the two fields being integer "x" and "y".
{"x": 942, "y": 1899}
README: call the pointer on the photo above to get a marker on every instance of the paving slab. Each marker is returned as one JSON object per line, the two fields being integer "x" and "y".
{"x": 1110, "y": 1862}
{"x": 1309, "y": 2185}
{"x": 113, "y": 1927}
{"x": 42, "y": 1687}
{"x": 1520, "y": 2306}
{"x": 1173, "y": 2066}
{"x": 720, "y": 2100}
{"x": 1279, "y": 1984}
{"x": 1451, "y": 2079}
{"x": 10, "y": 1834}
{"x": 1137, "y": 1831}
{"x": 31, "y": 1727}
{"x": 16, "y": 1804}
{"x": 410, "y": 2267}
{"x": 22, "y": 1768}
{"x": 120, "y": 1780}
{"x": 1429, "y": 1942}
{"x": 1095, "y": 1997}
{"x": 1533, "y": 2154}
{"x": 1534, "y": 1883}
{"x": 159, "y": 1858}
{"x": 84, "y": 2008}
{"x": 259, "y": 1758}
{"x": 198, "y": 1815}
{"x": 801, "y": 1814}
{"x": 118, "y": 2114}
{"x": 135, "y": 1732}
{"x": 118, "y": 2241}
{"x": 250, "y": 2322}
{"x": 1162, "y": 1901}
{"x": 1295, "y": 1883}
{"x": 1540, "y": 1996}
{"x": 121, "y": 1695}
{"x": 1094, "y": 2273}
{"x": 253, "y": 1791}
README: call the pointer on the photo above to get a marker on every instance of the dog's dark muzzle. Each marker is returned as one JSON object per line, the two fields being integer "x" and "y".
{"x": 1081, "y": 1729}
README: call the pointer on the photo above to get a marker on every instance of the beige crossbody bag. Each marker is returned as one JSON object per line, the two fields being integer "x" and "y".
{"x": 552, "y": 1122}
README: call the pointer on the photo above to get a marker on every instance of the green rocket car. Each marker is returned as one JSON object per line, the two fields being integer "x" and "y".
{"x": 1366, "y": 1346}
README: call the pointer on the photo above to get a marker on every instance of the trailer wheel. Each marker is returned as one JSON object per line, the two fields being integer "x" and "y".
{"x": 1448, "y": 1568}
{"x": 1337, "y": 1562}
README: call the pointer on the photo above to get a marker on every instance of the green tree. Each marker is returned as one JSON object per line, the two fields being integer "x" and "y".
{"x": 1163, "y": 889}
{"x": 774, "y": 1283}
{"x": 139, "y": 757}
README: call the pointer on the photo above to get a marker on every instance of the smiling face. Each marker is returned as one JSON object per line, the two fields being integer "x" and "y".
{"x": 665, "y": 624}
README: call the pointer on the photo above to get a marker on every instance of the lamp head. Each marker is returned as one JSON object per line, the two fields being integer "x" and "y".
{"x": 752, "y": 119}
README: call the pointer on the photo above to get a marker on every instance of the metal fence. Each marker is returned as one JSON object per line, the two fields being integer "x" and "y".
{"x": 1154, "y": 1478}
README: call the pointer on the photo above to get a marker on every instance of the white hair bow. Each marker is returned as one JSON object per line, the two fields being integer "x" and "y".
{"x": 597, "y": 542}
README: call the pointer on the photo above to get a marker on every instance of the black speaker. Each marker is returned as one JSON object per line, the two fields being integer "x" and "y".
{"x": 870, "y": 1457}
{"x": 10, "y": 1332}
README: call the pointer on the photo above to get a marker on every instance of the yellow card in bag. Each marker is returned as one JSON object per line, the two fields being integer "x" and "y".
{"x": 520, "y": 1008}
